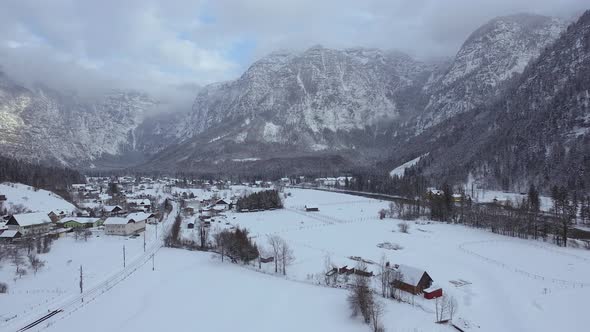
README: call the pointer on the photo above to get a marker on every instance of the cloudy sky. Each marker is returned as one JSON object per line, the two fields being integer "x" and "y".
{"x": 149, "y": 43}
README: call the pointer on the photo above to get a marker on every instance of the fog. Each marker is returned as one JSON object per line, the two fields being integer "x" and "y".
{"x": 169, "y": 48}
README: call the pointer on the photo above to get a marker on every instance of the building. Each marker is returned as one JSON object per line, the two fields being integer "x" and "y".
{"x": 57, "y": 215}
{"x": 81, "y": 222}
{"x": 123, "y": 226}
{"x": 411, "y": 279}
{"x": 311, "y": 208}
{"x": 149, "y": 218}
{"x": 30, "y": 223}
{"x": 9, "y": 235}
{"x": 2, "y": 198}
{"x": 112, "y": 210}
{"x": 221, "y": 205}
{"x": 140, "y": 204}
{"x": 433, "y": 292}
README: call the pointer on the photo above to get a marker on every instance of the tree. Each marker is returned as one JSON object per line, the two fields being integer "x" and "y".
{"x": 445, "y": 308}
{"x": 16, "y": 258}
{"x": 203, "y": 235}
{"x": 360, "y": 298}
{"x": 287, "y": 256}
{"x": 403, "y": 227}
{"x": 375, "y": 312}
{"x": 385, "y": 275}
{"x": 275, "y": 245}
{"x": 35, "y": 262}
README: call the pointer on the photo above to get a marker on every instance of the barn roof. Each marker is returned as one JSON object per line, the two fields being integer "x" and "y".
{"x": 410, "y": 275}
{"x": 29, "y": 219}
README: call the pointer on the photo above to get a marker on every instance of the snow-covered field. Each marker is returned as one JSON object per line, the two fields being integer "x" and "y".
{"x": 509, "y": 284}
{"x": 34, "y": 200}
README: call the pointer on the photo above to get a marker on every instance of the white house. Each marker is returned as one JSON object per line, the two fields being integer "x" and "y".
{"x": 30, "y": 223}
{"x": 149, "y": 218}
{"x": 123, "y": 226}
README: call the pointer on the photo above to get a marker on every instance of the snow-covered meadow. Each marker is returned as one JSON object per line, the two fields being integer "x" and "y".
{"x": 500, "y": 283}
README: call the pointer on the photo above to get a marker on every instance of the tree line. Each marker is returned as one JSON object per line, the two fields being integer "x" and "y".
{"x": 262, "y": 200}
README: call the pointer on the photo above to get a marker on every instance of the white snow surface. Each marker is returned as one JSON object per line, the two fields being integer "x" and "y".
{"x": 399, "y": 171}
{"x": 36, "y": 200}
{"x": 507, "y": 284}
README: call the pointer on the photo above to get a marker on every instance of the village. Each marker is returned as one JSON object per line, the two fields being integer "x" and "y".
{"x": 437, "y": 274}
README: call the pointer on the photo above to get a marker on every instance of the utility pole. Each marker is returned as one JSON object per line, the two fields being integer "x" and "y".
{"x": 153, "y": 263}
{"x": 144, "y": 239}
{"x": 81, "y": 282}
{"x": 123, "y": 256}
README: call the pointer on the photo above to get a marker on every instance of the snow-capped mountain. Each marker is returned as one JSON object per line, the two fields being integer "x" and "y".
{"x": 44, "y": 125}
{"x": 486, "y": 61}
{"x": 305, "y": 97}
{"x": 538, "y": 132}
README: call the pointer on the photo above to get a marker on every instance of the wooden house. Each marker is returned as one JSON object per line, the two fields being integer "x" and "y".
{"x": 411, "y": 279}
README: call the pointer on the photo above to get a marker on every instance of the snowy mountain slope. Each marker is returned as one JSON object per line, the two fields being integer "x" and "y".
{"x": 34, "y": 200}
{"x": 538, "y": 133}
{"x": 487, "y": 60}
{"x": 45, "y": 125}
{"x": 296, "y": 97}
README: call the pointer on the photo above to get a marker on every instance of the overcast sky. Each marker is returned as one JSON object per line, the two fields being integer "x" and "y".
{"x": 86, "y": 44}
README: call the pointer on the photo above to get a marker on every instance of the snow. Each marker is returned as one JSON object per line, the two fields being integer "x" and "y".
{"x": 34, "y": 200}
{"x": 500, "y": 283}
{"x": 400, "y": 170}
{"x": 190, "y": 290}
{"x": 28, "y": 219}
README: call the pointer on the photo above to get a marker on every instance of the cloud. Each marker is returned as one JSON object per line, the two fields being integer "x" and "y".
{"x": 161, "y": 45}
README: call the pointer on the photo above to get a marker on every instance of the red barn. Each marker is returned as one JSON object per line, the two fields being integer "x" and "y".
{"x": 433, "y": 292}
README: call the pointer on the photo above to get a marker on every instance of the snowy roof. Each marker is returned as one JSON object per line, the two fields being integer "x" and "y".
{"x": 410, "y": 274}
{"x": 311, "y": 206}
{"x": 111, "y": 207}
{"x": 139, "y": 216}
{"x": 116, "y": 221}
{"x": 28, "y": 219}
{"x": 82, "y": 220}
{"x": 8, "y": 233}
{"x": 144, "y": 201}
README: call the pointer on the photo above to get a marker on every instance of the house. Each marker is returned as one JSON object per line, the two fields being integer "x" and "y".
{"x": 149, "y": 218}
{"x": 57, "y": 215}
{"x": 311, "y": 208}
{"x": 221, "y": 205}
{"x": 140, "y": 204}
{"x": 411, "y": 279}
{"x": 123, "y": 226}
{"x": 2, "y": 198}
{"x": 191, "y": 225}
{"x": 81, "y": 222}
{"x": 433, "y": 292}
{"x": 9, "y": 235}
{"x": 30, "y": 223}
{"x": 112, "y": 210}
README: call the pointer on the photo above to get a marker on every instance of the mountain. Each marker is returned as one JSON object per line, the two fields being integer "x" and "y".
{"x": 320, "y": 101}
{"x": 489, "y": 58}
{"x": 536, "y": 133}
{"x": 43, "y": 125}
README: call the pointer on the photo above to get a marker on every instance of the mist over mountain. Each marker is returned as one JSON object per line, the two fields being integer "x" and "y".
{"x": 293, "y": 111}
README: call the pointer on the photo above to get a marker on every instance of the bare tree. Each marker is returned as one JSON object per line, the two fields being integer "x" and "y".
{"x": 403, "y": 227}
{"x": 203, "y": 235}
{"x": 86, "y": 234}
{"x": 360, "y": 298}
{"x": 385, "y": 276}
{"x": 287, "y": 256}
{"x": 16, "y": 258}
{"x": 35, "y": 262}
{"x": 446, "y": 307}
{"x": 275, "y": 245}
{"x": 376, "y": 312}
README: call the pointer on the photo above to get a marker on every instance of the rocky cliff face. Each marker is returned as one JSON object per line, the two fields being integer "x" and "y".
{"x": 490, "y": 57}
